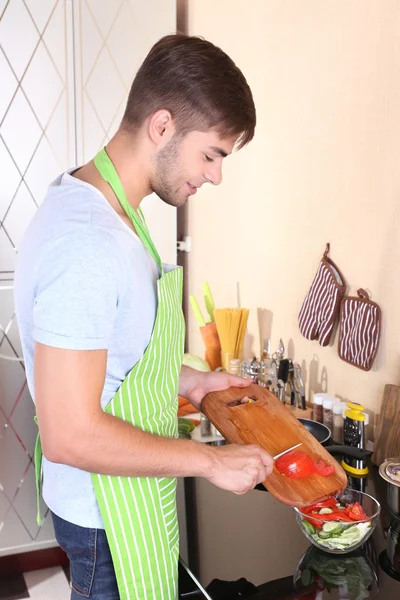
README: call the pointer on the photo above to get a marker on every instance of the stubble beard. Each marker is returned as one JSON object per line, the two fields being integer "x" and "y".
{"x": 165, "y": 181}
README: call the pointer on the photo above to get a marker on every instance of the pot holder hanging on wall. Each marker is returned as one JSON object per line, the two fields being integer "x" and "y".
{"x": 321, "y": 306}
{"x": 360, "y": 330}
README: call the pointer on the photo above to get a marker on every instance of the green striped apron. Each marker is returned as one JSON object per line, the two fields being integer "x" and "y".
{"x": 139, "y": 513}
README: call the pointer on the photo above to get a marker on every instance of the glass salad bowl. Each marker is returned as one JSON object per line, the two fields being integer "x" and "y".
{"x": 340, "y": 524}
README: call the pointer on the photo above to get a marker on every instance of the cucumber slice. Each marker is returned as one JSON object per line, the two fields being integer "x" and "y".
{"x": 324, "y": 535}
{"x": 326, "y": 511}
{"x": 331, "y": 527}
{"x": 340, "y": 528}
{"x": 308, "y": 527}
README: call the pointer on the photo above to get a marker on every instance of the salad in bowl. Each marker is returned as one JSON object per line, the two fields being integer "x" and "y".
{"x": 341, "y": 523}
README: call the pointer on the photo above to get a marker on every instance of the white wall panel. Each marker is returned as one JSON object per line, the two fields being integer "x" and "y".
{"x": 112, "y": 40}
{"x": 36, "y": 144}
{"x": 65, "y": 70}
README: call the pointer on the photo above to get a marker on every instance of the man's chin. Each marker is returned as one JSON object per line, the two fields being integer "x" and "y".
{"x": 175, "y": 202}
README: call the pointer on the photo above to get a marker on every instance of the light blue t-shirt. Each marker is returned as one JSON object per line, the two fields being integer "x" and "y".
{"x": 84, "y": 281}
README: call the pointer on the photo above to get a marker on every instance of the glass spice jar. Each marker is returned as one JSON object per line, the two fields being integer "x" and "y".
{"x": 328, "y": 413}
{"x": 318, "y": 412}
{"x": 235, "y": 366}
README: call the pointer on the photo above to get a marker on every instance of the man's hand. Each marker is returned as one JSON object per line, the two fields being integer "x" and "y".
{"x": 194, "y": 385}
{"x": 239, "y": 469}
{"x": 234, "y": 467}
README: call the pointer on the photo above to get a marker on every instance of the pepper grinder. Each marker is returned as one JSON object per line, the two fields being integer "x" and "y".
{"x": 354, "y": 435}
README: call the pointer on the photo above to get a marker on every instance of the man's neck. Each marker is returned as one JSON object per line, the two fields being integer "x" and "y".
{"x": 132, "y": 164}
{"x": 132, "y": 168}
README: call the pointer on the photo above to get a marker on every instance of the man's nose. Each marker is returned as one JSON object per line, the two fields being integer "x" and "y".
{"x": 214, "y": 174}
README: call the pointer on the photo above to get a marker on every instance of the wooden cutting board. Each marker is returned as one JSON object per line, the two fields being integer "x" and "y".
{"x": 267, "y": 423}
{"x": 387, "y": 441}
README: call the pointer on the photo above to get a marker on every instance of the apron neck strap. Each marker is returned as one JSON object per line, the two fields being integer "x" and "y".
{"x": 108, "y": 172}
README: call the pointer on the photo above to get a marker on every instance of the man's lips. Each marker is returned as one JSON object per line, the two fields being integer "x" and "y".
{"x": 192, "y": 188}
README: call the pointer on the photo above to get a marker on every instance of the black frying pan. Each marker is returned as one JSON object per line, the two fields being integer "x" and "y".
{"x": 323, "y": 434}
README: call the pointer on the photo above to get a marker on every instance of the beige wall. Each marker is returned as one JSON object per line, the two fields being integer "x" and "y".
{"x": 324, "y": 166}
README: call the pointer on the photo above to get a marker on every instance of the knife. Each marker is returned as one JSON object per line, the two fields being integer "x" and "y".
{"x": 286, "y": 451}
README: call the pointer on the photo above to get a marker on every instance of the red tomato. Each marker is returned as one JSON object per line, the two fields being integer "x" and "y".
{"x": 356, "y": 512}
{"x": 298, "y": 464}
{"x": 295, "y": 464}
{"x": 323, "y": 469}
{"x": 337, "y": 516}
{"x": 328, "y": 503}
{"x": 315, "y": 523}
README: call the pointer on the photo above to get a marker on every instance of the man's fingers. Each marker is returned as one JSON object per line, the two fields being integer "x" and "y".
{"x": 239, "y": 381}
{"x": 266, "y": 458}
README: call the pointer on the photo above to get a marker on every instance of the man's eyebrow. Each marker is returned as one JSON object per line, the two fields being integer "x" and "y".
{"x": 219, "y": 151}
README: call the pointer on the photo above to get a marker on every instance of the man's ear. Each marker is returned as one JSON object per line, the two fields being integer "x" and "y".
{"x": 161, "y": 127}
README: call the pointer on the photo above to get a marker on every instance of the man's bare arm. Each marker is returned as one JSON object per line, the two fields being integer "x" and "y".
{"x": 77, "y": 432}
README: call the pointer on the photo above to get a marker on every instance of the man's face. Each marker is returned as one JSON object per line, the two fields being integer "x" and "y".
{"x": 187, "y": 162}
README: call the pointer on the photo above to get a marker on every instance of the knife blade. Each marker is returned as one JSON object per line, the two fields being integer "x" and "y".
{"x": 286, "y": 451}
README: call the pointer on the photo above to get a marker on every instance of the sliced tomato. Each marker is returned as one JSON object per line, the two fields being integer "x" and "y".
{"x": 323, "y": 469}
{"x": 337, "y": 516}
{"x": 356, "y": 512}
{"x": 315, "y": 523}
{"x": 296, "y": 464}
{"x": 328, "y": 503}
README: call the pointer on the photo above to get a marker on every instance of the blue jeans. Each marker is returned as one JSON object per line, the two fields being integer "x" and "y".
{"x": 92, "y": 570}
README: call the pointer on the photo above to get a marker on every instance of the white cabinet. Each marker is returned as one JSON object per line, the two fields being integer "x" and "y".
{"x": 36, "y": 143}
{"x": 111, "y": 40}
{"x": 65, "y": 70}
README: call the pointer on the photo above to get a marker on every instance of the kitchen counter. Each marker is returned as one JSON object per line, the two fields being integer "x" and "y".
{"x": 257, "y": 538}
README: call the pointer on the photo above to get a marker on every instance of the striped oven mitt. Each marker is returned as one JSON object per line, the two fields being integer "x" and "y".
{"x": 360, "y": 330}
{"x": 321, "y": 306}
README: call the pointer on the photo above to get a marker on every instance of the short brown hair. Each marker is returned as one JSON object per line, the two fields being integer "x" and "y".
{"x": 198, "y": 83}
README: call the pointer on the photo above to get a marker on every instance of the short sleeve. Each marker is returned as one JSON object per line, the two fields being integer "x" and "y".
{"x": 77, "y": 288}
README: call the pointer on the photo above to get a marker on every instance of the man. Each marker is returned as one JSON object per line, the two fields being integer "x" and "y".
{"x": 102, "y": 329}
